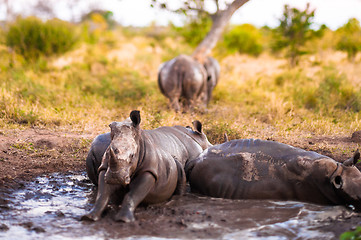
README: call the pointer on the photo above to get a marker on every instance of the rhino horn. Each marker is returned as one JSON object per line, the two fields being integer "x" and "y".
{"x": 112, "y": 162}
{"x": 225, "y": 137}
{"x": 353, "y": 160}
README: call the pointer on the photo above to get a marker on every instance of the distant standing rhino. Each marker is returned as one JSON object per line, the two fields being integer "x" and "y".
{"x": 140, "y": 165}
{"x": 185, "y": 79}
{"x": 257, "y": 169}
{"x": 213, "y": 70}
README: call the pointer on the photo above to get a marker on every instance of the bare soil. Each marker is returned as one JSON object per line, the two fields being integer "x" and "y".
{"x": 26, "y": 154}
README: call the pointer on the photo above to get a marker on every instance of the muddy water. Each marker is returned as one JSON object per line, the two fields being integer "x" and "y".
{"x": 51, "y": 206}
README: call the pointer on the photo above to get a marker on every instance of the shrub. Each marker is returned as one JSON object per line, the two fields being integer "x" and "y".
{"x": 333, "y": 92}
{"x": 293, "y": 32}
{"x": 352, "y": 235}
{"x": 195, "y": 30}
{"x": 350, "y": 38}
{"x": 33, "y": 38}
{"x": 244, "y": 39}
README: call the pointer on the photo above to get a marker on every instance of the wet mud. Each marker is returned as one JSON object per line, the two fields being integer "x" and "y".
{"x": 51, "y": 206}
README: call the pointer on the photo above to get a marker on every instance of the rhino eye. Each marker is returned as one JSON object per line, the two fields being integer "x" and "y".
{"x": 338, "y": 182}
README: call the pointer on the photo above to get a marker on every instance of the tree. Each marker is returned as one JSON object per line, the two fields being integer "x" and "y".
{"x": 294, "y": 31}
{"x": 220, "y": 18}
{"x": 350, "y": 38}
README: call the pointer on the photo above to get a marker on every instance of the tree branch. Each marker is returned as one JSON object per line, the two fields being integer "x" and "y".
{"x": 220, "y": 21}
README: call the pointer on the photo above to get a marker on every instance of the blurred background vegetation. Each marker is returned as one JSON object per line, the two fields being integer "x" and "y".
{"x": 292, "y": 79}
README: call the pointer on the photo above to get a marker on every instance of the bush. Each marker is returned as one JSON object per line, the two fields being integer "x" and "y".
{"x": 195, "y": 30}
{"x": 333, "y": 92}
{"x": 244, "y": 39}
{"x": 352, "y": 235}
{"x": 293, "y": 32}
{"x": 350, "y": 38}
{"x": 33, "y": 38}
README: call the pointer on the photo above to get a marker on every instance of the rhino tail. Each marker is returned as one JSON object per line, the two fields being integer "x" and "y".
{"x": 181, "y": 182}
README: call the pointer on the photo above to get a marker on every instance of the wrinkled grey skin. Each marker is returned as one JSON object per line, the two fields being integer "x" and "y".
{"x": 95, "y": 155}
{"x": 257, "y": 169}
{"x": 213, "y": 70}
{"x": 141, "y": 165}
{"x": 183, "y": 78}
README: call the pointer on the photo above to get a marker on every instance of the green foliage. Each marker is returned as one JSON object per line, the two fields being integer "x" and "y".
{"x": 33, "y": 38}
{"x": 195, "y": 30}
{"x": 350, "y": 38}
{"x": 243, "y": 39}
{"x": 352, "y": 235}
{"x": 293, "y": 32}
{"x": 101, "y": 83}
{"x": 333, "y": 92}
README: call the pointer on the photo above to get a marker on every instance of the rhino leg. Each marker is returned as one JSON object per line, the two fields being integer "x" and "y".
{"x": 181, "y": 183}
{"x": 174, "y": 103}
{"x": 138, "y": 190}
{"x": 103, "y": 196}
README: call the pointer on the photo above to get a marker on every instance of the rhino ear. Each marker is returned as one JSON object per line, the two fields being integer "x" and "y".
{"x": 135, "y": 117}
{"x": 198, "y": 126}
{"x": 353, "y": 160}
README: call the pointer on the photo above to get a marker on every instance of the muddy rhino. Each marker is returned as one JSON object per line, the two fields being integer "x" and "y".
{"x": 185, "y": 79}
{"x": 257, "y": 169}
{"x": 141, "y": 165}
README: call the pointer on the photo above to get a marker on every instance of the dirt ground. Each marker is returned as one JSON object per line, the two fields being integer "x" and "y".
{"x": 26, "y": 154}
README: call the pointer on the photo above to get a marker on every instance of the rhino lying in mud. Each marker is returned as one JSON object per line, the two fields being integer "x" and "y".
{"x": 257, "y": 169}
{"x": 141, "y": 165}
{"x": 183, "y": 78}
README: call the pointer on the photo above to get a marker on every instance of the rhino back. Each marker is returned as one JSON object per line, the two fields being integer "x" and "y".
{"x": 174, "y": 141}
{"x": 249, "y": 168}
{"x": 181, "y": 76}
{"x": 95, "y": 155}
{"x": 277, "y": 152}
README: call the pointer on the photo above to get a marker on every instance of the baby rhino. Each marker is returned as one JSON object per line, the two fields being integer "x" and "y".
{"x": 140, "y": 166}
{"x": 257, "y": 169}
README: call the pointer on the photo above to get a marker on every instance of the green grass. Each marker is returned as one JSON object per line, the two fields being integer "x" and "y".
{"x": 103, "y": 82}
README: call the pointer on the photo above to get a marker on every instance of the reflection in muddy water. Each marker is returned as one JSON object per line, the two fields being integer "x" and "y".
{"x": 50, "y": 208}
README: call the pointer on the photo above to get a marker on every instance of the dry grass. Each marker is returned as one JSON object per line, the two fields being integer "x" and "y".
{"x": 88, "y": 88}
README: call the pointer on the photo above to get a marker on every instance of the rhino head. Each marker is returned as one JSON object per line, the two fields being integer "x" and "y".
{"x": 346, "y": 182}
{"x": 124, "y": 150}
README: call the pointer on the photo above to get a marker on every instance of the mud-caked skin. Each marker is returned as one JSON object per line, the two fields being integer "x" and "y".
{"x": 257, "y": 169}
{"x": 185, "y": 79}
{"x": 141, "y": 165}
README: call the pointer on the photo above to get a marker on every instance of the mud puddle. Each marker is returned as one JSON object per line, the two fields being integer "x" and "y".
{"x": 51, "y": 207}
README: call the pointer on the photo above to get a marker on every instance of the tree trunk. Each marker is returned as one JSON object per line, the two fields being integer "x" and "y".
{"x": 220, "y": 21}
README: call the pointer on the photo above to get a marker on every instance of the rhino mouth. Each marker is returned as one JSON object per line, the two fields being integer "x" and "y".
{"x": 117, "y": 178}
